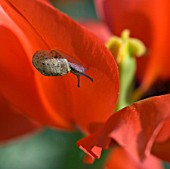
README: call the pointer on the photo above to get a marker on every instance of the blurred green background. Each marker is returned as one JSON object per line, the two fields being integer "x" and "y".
{"x": 50, "y": 149}
{"x": 77, "y": 9}
{"x": 44, "y": 150}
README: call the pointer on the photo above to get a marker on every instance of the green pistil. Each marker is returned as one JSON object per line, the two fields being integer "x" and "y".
{"x": 124, "y": 50}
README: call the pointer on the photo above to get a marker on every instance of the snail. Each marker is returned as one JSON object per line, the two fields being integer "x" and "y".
{"x": 55, "y": 63}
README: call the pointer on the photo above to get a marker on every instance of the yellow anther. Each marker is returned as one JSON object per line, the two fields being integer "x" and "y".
{"x": 124, "y": 46}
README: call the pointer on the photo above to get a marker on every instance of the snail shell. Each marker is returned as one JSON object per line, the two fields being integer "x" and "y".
{"x": 50, "y": 63}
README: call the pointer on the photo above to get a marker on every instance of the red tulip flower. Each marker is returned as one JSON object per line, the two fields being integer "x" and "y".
{"x": 34, "y": 101}
{"x": 148, "y": 21}
{"x": 29, "y": 26}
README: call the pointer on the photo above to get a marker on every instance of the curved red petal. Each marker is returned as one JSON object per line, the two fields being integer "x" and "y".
{"x": 135, "y": 128}
{"x": 93, "y": 102}
{"x": 151, "y": 26}
{"x": 18, "y": 84}
{"x": 120, "y": 159}
{"x": 13, "y": 124}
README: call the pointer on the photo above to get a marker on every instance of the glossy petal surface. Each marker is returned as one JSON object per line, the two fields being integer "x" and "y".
{"x": 120, "y": 159}
{"x": 44, "y": 27}
{"x": 12, "y": 123}
{"x": 17, "y": 81}
{"x": 135, "y": 128}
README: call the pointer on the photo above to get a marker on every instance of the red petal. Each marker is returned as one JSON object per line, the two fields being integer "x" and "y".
{"x": 161, "y": 150}
{"x": 151, "y": 26}
{"x": 98, "y": 28}
{"x": 13, "y": 124}
{"x": 135, "y": 128}
{"x": 93, "y": 102}
{"x": 161, "y": 146}
{"x": 120, "y": 159}
{"x": 17, "y": 81}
